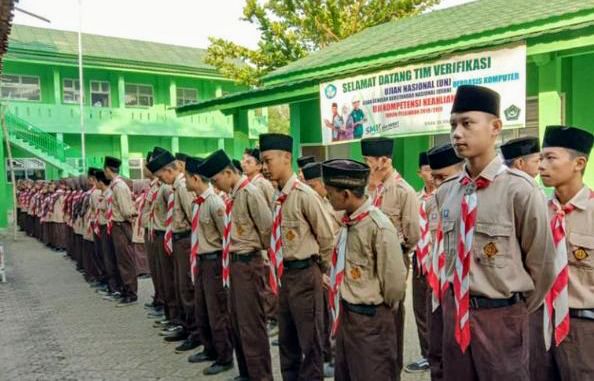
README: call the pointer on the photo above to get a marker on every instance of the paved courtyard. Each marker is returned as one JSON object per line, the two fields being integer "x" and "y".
{"x": 54, "y": 327}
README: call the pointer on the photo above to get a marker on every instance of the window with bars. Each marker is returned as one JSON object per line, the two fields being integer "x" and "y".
{"x": 138, "y": 95}
{"x": 136, "y": 168}
{"x": 100, "y": 94}
{"x": 20, "y": 87}
{"x": 186, "y": 96}
{"x": 71, "y": 90}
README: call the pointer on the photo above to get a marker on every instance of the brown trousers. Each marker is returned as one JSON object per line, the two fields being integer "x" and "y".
{"x": 140, "y": 258}
{"x": 152, "y": 255}
{"x": 121, "y": 234}
{"x": 399, "y": 321}
{"x": 60, "y": 235}
{"x": 78, "y": 251}
{"x": 301, "y": 324}
{"x": 91, "y": 268}
{"x": 45, "y": 233}
{"x": 420, "y": 292}
{"x": 542, "y": 362}
{"x": 248, "y": 320}
{"x": 574, "y": 356}
{"x": 327, "y": 351}
{"x": 498, "y": 348}
{"x": 184, "y": 290}
{"x": 435, "y": 330}
{"x": 114, "y": 281}
{"x": 212, "y": 316}
{"x": 270, "y": 299}
{"x": 98, "y": 258}
{"x": 365, "y": 346}
{"x": 167, "y": 279}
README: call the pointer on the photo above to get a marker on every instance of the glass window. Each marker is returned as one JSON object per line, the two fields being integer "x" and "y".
{"x": 20, "y": 87}
{"x": 32, "y": 169}
{"x": 186, "y": 96}
{"x": 139, "y": 95}
{"x": 100, "y": 94}
{"x": 71, "y": 90}
{"x": 136, "y": 166}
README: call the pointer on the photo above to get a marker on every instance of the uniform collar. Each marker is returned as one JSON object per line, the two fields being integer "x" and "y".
{"x": 581, "y": 198}
{"x": 491, "y": 171}
{"x": 208, "y": 192}
{"x": 290, "y": 184}
{"x": 236, "y": 187}
{"x": 392, "y": 179}
{"x": 362, "y": 209}
{"x": 178, "y": 180}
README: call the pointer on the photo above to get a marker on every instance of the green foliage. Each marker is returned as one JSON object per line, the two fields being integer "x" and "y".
{"x": 290, "y": 29}
{"x": 279, "y": 119}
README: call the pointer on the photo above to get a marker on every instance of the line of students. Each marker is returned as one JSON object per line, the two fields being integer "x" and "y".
{"x": 500, "y": 274}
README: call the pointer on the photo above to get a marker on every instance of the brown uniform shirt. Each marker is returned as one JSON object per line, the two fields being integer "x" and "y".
{"x": 306, "y": 225}
{"x": 102, "y": 205}
{"x": 373, "y": 274}
{"x": 182, "y": 207}
{"x": 212, "y": 223}
{"x": 146, "y": 208}
{"x": 251, "y": 220}
{"x": 579, "y": 226}
{"x": 123, "y": 205}
{"x": 335, "y": 216}
{"x": 512, "y": 249}
{"x": 400, "y": 204}
{"x": 265, "y": 187}
{"x": 58, "y": 210}
{"x": 160, "y": 208}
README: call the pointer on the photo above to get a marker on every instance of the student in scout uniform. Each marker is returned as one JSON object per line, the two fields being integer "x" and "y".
{"x": 94, "y": 217}
{"x": 303, "y": 239}
{"x": 565, "y": 155}
{"x": 398, "y": 200}
{"x": 248, "y": 221}
{"x": 177, "y": 242}
{"x": 212, "y": 316}
{"x": 522, "y": 154}
{"x": 119, "y": 212}
{"x": 502, "y": 264}
{"x": 445, "y": 164}
{"x": 421, "y": 258}
{"x": 92, "y": 269}
{"x": 166, "y": 279}
{"x": 302, "y": 162}
{"x": 252, "y": 168}
{"x": 368, "y": 278}
{"x": 312, "y": 175}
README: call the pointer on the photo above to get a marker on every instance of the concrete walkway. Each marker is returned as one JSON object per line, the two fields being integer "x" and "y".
{"x": 53, "y": 326}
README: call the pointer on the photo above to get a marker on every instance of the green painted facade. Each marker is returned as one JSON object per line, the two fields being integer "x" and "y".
{"x": 119, "y": 130}
{"x": 559, "y": 36}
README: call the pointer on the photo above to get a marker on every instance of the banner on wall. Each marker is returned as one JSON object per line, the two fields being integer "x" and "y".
{"x": 417, "y": 99}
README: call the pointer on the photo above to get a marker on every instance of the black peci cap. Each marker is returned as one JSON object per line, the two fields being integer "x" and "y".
{"x": 157, "y": 151}
{"x": 149, "y": 154}
{"x": 304, "y": 160}
{"x": 160, "y": 160}
{"x": 423, "y": 160}
{"x": 377, "y": 147}
{"x": 520, "y": 147}
{"x": 112, "y": 162}
{"x": 279, "y": 142}
{"x": 213, "y": 164}
{"x": 181, "y": 156}
{"x": 568, "y": 137}
{"x": 312, "y": 171}
{"x": 476, "y": 98}
{"x": 442, "y": 157}
{"x": 192, "y": 164}
{"x": 237, "y": 165}
{"x": 92, "y": 171}
{"x": 100, "y": 176}
{"x": 253, "y": 152}
{"x": 343, "y": 173}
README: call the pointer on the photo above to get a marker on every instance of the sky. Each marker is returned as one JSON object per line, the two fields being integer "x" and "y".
{"x": 181, "y": 22}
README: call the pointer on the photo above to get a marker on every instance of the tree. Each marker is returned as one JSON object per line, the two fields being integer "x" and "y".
{"x": 290, "y": 29}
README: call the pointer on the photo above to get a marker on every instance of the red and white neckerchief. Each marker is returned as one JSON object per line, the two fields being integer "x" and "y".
{"x": 381, "y": 188}
{"x": 338, "y": 265}
{"x": 227, "y": 232}
{"x": 557, "y": 299}
{"x": 257, "y": 177}
{"x": 436, "y": 277}
{"x": 194, "y": 237}
{"x": 168, "y": 239}
{"x": 423, "y": 248}
{"x": 90, "y": 221}
{"x": 275, "y": 254}
{"x": 461, "y": 282}
{"x": 153, "y": 200}
{"x": 109, "y": 210}
{"x": 147, "y": 195}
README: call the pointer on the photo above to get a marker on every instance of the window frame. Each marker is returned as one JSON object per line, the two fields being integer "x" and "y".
{"x": 137, "y": 95}
{"x": 91, "y": 92}
{"x": 184, "y": 89}
{"x": 74, "y": 80}
{"x": 20, "y": 76}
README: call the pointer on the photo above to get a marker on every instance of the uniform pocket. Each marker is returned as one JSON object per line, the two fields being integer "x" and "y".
{"x": 491, "y": 246}
{"x": 291, "y": 232}
{"x": 357, "y": 268}
{"x": 581, "y": 250}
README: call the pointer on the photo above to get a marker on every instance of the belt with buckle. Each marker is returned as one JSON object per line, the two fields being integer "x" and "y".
{"x": 298, "y": 264}
{"x": 245, "y": 258}
{"x": 181, "y": 235}
{"x": 210, "y": 256}
{"x": 587, "y": 314}
{"x": 361, "y": 309}
{"x": 482, "y": 303}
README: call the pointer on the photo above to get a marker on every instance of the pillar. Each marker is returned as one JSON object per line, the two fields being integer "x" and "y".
{"x": 241, "y": 133}
{"x": 121, "y": 92}
{"x": 550, "y": 106}
{"x": 124, "y": 156}
{"x": 174, "y": 144}
{"x": 295, "y": 122}
{"x": 57, "y": 87}
{"x": 172, "y": 93}
{"x": 5, "y": 191}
